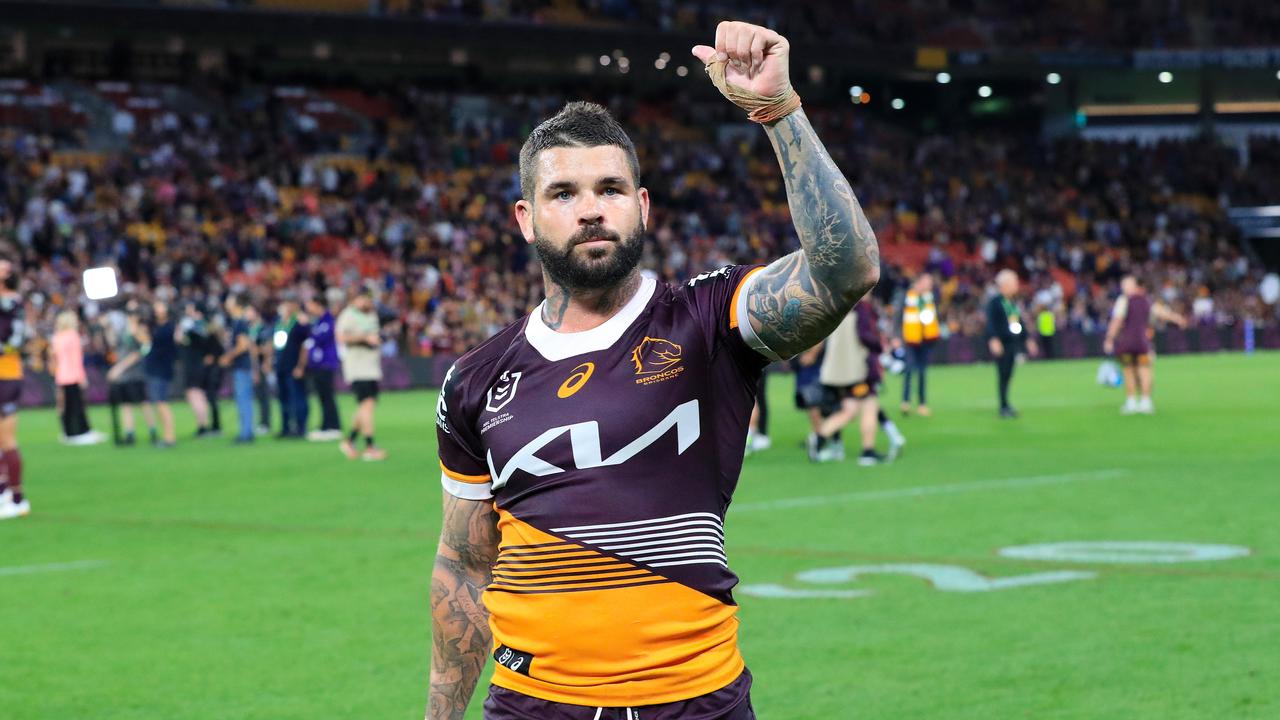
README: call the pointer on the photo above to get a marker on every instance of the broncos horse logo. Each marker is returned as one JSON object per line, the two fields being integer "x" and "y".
{"x": 654, "y": 355}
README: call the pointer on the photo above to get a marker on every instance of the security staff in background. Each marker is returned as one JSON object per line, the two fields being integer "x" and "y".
{"x": 1007, "y": 330}
{"x": 1047, "y": 326}
{"x": 921, "y": 329}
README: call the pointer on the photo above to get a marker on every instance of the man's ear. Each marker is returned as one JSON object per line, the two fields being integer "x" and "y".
{"x": 643, "y": 194}
{"x": 524, "y": 216}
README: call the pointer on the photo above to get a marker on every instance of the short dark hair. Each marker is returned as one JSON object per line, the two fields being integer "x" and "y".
{"x": 579, "y": 124}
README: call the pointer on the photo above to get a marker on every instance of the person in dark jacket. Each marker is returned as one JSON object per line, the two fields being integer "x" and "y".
{"x": 290, "y": 334}
{"x": 322, "y": 367}
{"x": 1007, "y": 335}
{"x": 158, "y": 367}
{"x": 191, "y": 337}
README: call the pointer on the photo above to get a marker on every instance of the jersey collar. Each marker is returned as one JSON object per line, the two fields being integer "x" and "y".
{"x": 554, "y": 345}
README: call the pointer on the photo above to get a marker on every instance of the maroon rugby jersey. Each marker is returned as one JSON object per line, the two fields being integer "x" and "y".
{"x": 1136, "y": 311}
{"x": 611, "y": 456}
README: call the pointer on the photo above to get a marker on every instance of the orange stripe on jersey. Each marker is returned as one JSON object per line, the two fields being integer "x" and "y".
{"x": 733, "y": 303}
{"x": 473, "y": 479}
{"x": 638, "y": 637}
{"x": 10, "y": 366}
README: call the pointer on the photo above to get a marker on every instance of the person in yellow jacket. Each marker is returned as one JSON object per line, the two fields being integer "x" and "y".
{"x": 921, "y": 329}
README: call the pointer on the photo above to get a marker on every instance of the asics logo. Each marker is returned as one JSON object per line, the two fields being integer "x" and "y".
{"x": 575, "y": 381}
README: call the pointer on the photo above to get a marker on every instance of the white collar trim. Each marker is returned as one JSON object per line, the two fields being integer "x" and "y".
{"x": 554, "y": 345}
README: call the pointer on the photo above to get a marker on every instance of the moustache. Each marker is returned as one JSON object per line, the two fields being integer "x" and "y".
{"x": 593, "y": 233}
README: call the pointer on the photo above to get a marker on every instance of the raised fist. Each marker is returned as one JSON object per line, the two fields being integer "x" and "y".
{"x": 755, "y": 59}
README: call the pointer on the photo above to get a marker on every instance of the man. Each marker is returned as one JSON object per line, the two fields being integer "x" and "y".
{"x": 809, "y": 395}
{"x": 598, "y": 440}
{"x": 191, "y": 336}
{"x": 214, "y": 347}
{"x": 1047, "y": 328}
{"x": 127, "y": 379}
{"x": 851, "y": 376}
{"x": 1006, "y": 335}
{"x": 239, "y": 359}
{"x": 263, "y": 374}
{"x": 157, "y": 367}
{"x": 321, "y": 365}
{"x": 357, "y": 330}
{"x": 13, "y": 503}
{"x": 920, "y": 332}
{"x": 1129, "y": 336}
{"x": 290, "y": 334}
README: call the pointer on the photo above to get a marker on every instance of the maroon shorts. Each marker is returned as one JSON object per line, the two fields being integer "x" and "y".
{"x": 1134, "y": 359}
{"x": 10, "y": 394}
{"x": 731, "y": 702}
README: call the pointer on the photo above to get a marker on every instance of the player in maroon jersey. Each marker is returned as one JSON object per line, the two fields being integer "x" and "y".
{"x": 1129, "y": 337}
{"x": 589, "y": 451}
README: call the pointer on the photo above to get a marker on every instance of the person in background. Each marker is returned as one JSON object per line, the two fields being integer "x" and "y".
{"x": 191, "y": 336}
{"x": 13, "y": 502}
{"x": 239, "y": 359}
{"x": 322, "y": 365}
{"x": 362, "y": 370}
{"x": 263, "y": 375}
{"x": 290, "y": 334}
{"x": 1006, "y": 335}
{"x": 1129, "y": 336}
{"x": 127, "y": 379}
{"x": 851, "y": 375}
{"x": 921, "y": 329}
{"x": 157, "y": 366}
{"x": 758, "y": 426}
{"x": 211, "y": 379}
{"x": 809, "y": 394}
{"x": 66, "y": 364}
{"x": 1047, "y": 326}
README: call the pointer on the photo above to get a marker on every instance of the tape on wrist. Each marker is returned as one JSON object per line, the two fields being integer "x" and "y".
{"x": 763, "y": 109}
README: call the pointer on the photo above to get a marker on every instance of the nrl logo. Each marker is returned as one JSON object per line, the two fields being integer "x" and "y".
{"x": 503, "y": 391}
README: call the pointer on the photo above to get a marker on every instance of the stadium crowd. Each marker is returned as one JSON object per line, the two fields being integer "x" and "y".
{"x": 945, "y": 23}
{"x": 268, "y": 201}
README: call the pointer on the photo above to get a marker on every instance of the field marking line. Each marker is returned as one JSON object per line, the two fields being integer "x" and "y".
{"x": 51, "y": 567}
{"x": 922, "y": 490}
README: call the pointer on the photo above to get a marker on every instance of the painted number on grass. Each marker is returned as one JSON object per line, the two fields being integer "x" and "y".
{"x": 1139, "y": 553}
{"x": 953, "y": 578}
{"x": 947, "y": 578}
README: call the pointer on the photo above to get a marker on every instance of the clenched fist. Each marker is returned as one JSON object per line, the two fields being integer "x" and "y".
{"x": 755, "y": 63}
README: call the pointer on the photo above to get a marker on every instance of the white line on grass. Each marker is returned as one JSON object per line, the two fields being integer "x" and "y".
{"x": 51, "y": 567}
{"x": 1007, "y": 483}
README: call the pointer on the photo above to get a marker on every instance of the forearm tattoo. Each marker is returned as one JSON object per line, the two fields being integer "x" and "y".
{"x": 799, "y": 299}
{"x": 460, "y": 624}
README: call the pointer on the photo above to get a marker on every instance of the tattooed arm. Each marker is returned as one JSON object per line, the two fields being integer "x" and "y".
{"x": 799, "y": 299}
{"x": 460, "y": 635}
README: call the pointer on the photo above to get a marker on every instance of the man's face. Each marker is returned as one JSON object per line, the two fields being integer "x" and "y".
{"x": 587, "y": 218}
{"x": 1009, "y": 285}
{"x": 1128, "y": 286}
{"x": 364, "y": 303}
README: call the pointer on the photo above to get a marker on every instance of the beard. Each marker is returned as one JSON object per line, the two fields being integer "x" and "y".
{"x": 592, "y": 269}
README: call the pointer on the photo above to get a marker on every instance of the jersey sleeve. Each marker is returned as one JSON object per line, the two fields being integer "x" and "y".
{"x": 464, "y": 472}
{"x": 1122, "y": 307}
{"x": 719, "y": 301}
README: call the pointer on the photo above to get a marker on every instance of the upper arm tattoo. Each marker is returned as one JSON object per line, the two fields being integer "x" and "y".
{"x": 460, "y": 633}
{"x": 799, "y": 299}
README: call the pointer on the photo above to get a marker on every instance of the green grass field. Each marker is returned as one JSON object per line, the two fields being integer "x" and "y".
{"x": 282, "y": 581}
